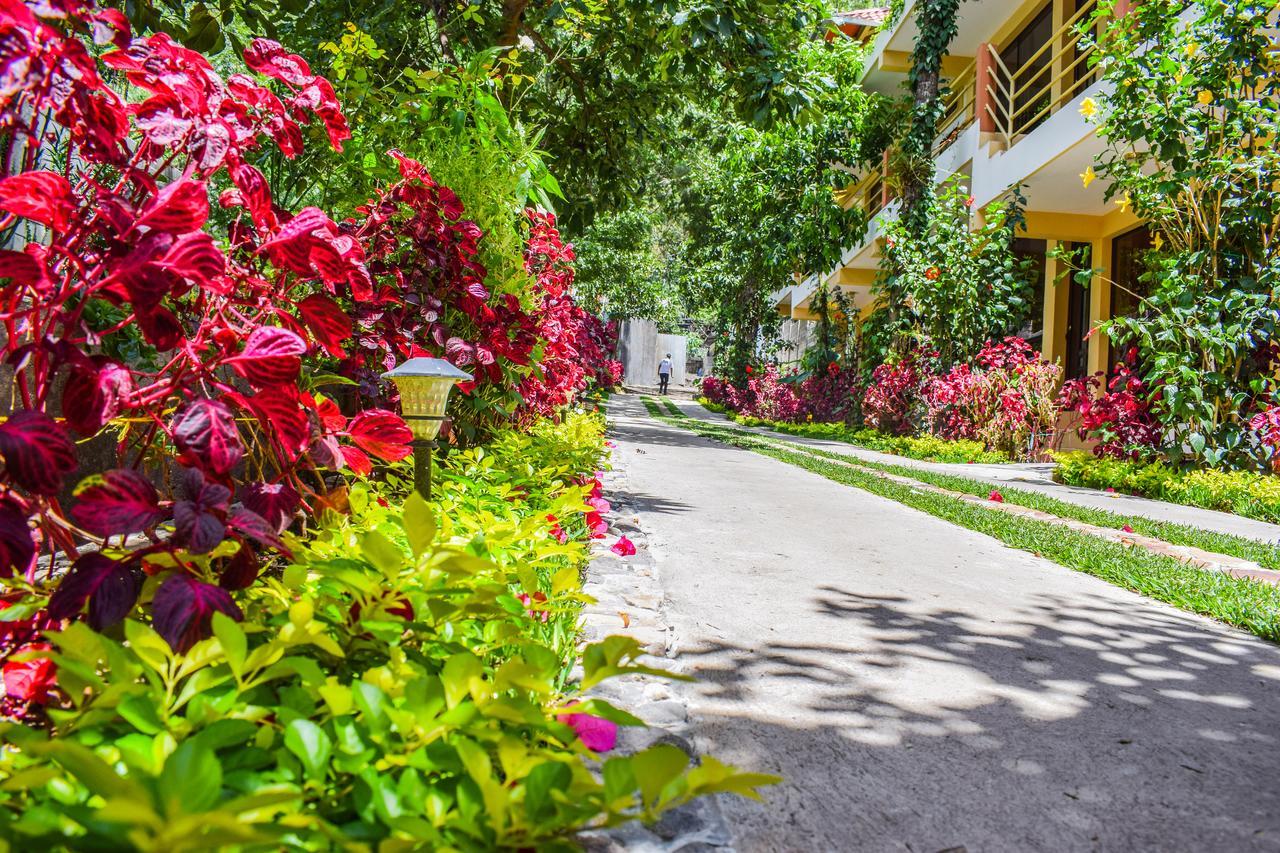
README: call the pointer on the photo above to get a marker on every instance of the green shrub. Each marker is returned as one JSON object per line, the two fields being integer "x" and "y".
{"x": 389, "y": 687}
{"x": 1243, "y": 493}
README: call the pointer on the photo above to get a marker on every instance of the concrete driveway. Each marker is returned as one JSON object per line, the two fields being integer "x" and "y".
{"x": 922, "y": 687}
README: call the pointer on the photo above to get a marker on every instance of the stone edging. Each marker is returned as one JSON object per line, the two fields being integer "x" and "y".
{"x": 629, "y": 600}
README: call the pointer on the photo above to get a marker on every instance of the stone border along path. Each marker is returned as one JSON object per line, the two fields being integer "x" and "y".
{"x": 1029, "y": 477}
{"x": 629, "y": 600}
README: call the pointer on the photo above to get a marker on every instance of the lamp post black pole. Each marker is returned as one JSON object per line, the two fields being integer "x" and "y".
{"x": 422, "y": 453}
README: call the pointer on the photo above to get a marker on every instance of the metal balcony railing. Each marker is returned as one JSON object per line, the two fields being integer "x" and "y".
{"x": 1020, "y": 99}
{"x": 957, "y": 107}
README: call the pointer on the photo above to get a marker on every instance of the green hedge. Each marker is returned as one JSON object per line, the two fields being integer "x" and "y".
{"x": 1249, "y": 495}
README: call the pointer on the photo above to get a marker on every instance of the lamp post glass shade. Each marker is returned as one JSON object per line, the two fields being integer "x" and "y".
{"x": 424, "y": 385}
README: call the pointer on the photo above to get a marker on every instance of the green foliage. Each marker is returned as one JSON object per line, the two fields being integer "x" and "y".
{"x": 1190, "y": 127}
{"x": 954, "y": 286}
{"x": 386, "y": 688}
{"x": 936, "y": 26}
{"x": 1241, "y": 492}
{"x": 619, "y": 270}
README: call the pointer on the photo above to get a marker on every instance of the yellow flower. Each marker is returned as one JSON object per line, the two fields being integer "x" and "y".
{"x": 1190, "y": 49}
{"x": 1205, "y": 97}
{"x": 1157, "y": 242}
{"x": 1087, "y": 177}
{"x": 1088, "y": 108}
{"x": 1124, "y": 202}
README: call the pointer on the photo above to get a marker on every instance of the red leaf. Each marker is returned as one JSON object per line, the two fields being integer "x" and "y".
{"x": 110, "y": 587}
{"x": 206, "y": 435}
{"x": 327, "y": 321}
{"x": 29, "y": 681}
{"x": 382, "y": 433}
{"x": 178, "y": 208}
{"x": 358, "y": 460}
{"x": 25, "y": 268}
{"x": 183, "y": 609}
{"x": 37, "y": 452}
{"x": 196, "y": 258}
{"x": 43, "y": 197}
{"x": 270, "y": 58}
{"x": 117, "y": 502}
{"x": 280, "y": 415}
{"x": 331, "y": 417}
{"x": 271, "y": 356}
{"x": 94, "y": 394}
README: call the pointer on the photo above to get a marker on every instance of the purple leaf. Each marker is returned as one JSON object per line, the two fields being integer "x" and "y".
{"x": 117, "y": 502}
{"x": 110, "y": 587}
{"x": 248, "y": 523}
{"x": 37, "y": 452}
{"x": 17, "y": 548}
{"x": 183, "y": 607}
{"x": 197, "y": 529}
{"x": 241, "y": 570}
{"x": 205, "y": 432}
{"x": 276, "y": 502}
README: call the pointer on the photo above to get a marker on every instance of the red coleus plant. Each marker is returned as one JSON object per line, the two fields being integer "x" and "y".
{"x": 117, "y": 250}
{"x": 1119, "y": 420}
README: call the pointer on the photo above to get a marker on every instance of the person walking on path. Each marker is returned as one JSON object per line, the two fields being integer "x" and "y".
{"x": 664, "y": 374}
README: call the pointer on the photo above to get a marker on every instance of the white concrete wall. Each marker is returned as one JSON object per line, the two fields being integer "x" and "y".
{"x": 677, "y": 345}
{"x": 640, "y": 348}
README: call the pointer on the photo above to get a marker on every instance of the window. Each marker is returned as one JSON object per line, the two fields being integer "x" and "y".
{"x": 1128, "y": 288}
{"x": 1030, "y": 68}
{"x": 1030, "y": 253}
{"x": 1076, "y": 364}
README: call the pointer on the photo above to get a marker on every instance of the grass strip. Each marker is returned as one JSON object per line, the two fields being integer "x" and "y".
{"x": 1265, "y": 554}
{"x": 673, "y": 408}
{"x": 1244, "y": 603}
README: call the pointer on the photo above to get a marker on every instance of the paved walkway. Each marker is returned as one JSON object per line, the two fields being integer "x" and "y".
{"x": 922, "y": 687}
{"x": 1033, "y": 478}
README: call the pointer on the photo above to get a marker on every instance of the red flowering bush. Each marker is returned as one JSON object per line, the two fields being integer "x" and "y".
{"x": 826, "y": 396}
{"x": 118, "y": 257}
{"x": 1008, "y": 402}
{"x": 577, "y": 345}
{"x": 1119, "y": 421}
{"x": 892, "y": 400}
{"x": 1266, "y": 424}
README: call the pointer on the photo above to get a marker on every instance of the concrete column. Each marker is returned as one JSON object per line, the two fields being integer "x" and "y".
{"x": 884, "y": 179}
{"x": 1100, "y": 307}
{"x": 984, "y": 69}
{"x": 1056, "y": 295}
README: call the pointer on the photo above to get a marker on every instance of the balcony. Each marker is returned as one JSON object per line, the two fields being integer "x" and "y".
{"x": 1015, "y": 101}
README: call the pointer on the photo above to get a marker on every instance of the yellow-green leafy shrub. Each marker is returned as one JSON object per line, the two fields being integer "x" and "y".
{"x": 1243, "y": 493}
{"x": 387, "y": 688}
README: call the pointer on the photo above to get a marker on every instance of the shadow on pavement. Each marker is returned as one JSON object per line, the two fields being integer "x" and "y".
{"x": 1069, "y": 728}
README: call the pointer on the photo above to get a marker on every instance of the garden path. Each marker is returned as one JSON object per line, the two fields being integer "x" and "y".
{"x": 1032, "y": 478}
{"x": 922, "y": 687}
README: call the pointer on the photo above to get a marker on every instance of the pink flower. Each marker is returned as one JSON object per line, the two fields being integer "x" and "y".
{"x": 557, "y": 531}
{"x": 624, "y": 547}
{"x": 1110, "y": 490}
{"x": 537, "y": 598}
{"x": 1127, "y": 529}
{"x": 968, "y": 202}
{"x": 596, "y": 733}
{"x": 996, "y": 496}
{"x": 600, "y": 505}
{"x": 596, "y": 525}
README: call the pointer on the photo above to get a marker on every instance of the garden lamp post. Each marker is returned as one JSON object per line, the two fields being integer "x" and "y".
{"x": 424, "y": 385}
